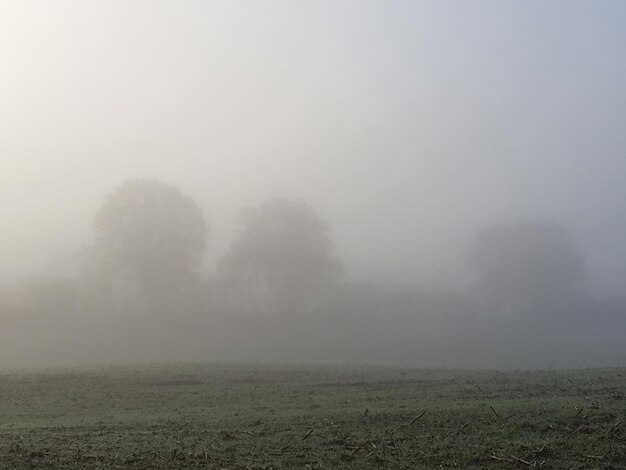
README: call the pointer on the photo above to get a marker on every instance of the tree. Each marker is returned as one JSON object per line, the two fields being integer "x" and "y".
{"x": 283, "y": 255}
{"x": 529, "y": 269}
{"x": 150, "y": 235}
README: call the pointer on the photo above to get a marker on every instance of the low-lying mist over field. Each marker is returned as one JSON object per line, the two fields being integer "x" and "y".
{"x": 394, "y": 183}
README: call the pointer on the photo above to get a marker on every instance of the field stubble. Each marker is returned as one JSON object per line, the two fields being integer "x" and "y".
{"x": 275, "y": 417}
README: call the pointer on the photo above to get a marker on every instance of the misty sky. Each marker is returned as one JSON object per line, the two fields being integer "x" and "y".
{"x": 407, "y": 125}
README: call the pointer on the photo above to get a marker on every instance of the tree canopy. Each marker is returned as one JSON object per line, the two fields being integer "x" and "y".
{"x": 149, "y": 231}
{"x": 529, "y": 267}
{"x": 285, "y": 247}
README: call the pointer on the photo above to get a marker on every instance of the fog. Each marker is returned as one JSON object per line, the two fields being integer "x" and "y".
{"x": 407, "y": 183}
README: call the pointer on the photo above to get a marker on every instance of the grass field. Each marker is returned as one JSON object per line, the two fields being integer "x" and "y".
{"x": 275, "y": 417}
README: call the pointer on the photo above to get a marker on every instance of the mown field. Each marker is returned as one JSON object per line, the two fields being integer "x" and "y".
{"x": 277, "y": 417}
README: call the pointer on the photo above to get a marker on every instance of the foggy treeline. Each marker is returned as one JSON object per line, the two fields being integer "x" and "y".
{"x": 280, "y": 293}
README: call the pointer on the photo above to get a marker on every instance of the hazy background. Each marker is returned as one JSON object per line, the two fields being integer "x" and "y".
{"x": 409, "y": 126}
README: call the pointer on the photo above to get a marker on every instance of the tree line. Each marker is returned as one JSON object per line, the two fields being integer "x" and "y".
{"x": 151, "y": 238}
{"x": 279, "y": 289}
{"x": 150, "y": 241}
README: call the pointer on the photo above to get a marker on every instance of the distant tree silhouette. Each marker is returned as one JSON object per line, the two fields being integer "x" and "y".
{"x": 283, "y": 254}
{"x": 529, "y": 269}
{"x": 149, "y": 235}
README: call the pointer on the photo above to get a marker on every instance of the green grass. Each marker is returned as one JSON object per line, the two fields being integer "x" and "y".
{"x": 263, "y": 417}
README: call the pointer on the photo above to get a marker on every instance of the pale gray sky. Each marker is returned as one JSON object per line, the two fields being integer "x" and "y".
{"x": 408, "y": 125}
